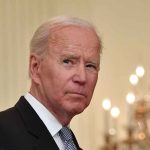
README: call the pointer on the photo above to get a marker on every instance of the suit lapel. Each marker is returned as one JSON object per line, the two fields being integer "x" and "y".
{"x": 35, "y": 127}
{"x": 75, "y": 141}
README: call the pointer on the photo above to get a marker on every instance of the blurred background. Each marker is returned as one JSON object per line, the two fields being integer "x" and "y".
{"x": 124, "y": 28}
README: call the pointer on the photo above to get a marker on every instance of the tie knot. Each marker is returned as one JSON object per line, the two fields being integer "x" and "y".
{"x": 65, "y": 134}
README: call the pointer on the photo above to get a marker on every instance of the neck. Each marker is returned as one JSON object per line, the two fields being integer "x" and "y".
{"x": 63, "y": 117}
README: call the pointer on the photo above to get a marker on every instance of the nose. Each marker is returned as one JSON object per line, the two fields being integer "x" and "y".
{"x": 80, "y": 75}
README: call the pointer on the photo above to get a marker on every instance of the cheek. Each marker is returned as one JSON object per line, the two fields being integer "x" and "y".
{"x": 91, "y": 86}
{"x": 92, "y": 81}
{"x": 56, "y": 81}
{"x": 47, "y": 77}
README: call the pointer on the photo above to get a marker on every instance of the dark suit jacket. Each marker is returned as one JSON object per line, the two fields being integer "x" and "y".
{"x": 22, "y": 129}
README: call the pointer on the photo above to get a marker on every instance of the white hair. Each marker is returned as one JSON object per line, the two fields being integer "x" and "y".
{"x": 39, "y": 42}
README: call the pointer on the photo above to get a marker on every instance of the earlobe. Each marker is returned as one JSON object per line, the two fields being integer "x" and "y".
{"x": 34, "y": 67}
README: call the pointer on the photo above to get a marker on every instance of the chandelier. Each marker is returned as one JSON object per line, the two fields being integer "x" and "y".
{"x": 138, "y": 124}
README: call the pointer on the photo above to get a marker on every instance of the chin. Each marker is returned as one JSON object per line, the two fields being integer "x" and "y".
{"x": 79, "y": 109}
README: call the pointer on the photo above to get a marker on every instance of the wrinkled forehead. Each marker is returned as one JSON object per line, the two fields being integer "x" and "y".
{"x": 73, "y": 37}
{"x": 79, "y": 43}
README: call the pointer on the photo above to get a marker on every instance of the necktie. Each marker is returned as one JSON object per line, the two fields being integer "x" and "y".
{"x": 66, "y": 136}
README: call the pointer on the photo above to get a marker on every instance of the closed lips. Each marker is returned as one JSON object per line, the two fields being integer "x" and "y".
{"x": 77, "y": 93}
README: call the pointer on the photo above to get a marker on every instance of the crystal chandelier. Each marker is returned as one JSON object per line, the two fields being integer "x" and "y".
{"x": 138, "y": 124}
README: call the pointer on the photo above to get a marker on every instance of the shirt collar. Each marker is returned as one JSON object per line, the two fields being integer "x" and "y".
{"x": 52, "y": 124}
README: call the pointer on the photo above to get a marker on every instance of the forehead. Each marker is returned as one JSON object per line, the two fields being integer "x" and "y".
{"x": 74, "y": 37}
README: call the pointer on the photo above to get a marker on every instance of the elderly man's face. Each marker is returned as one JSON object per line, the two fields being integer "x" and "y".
{"x": 69, "y": 72}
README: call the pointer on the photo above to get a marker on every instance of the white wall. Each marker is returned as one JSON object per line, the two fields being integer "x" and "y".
{"x": 124, "y": 28}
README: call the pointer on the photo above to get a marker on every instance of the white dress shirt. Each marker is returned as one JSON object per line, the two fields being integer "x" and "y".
{"x": 48, "y": 119}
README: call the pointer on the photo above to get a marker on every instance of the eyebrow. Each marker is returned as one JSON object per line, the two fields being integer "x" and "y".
{"x": 71, "y": 56}
{"x": 75, "y": 57}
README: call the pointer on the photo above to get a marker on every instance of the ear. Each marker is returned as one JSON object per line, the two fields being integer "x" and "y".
{"x": 34, "y": 65}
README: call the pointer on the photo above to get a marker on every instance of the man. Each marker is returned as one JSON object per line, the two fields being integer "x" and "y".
{"x": 63, "y": 67}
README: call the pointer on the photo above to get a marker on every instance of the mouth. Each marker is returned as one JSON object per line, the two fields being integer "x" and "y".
{"x": 76, "y": 94}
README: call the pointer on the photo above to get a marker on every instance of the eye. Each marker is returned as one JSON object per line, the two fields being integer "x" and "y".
{"x": 67, "y": 61}
{"x": 92, "y": 67}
